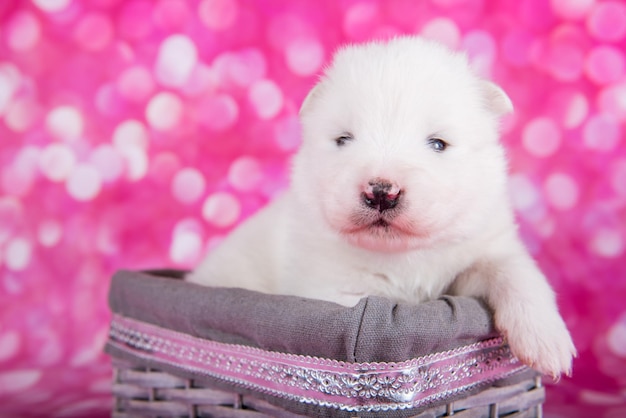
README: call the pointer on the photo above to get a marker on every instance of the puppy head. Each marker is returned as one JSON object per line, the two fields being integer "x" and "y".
{"x": 400, "y": 146}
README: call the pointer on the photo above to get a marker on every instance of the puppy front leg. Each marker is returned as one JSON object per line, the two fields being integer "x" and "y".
{"x": 525, "y": 310}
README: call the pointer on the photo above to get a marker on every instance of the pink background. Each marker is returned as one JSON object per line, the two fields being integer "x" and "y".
{"x": 135, "y": 134}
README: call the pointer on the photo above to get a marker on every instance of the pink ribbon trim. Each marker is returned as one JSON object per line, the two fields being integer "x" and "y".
{"x": 324, "y": 382}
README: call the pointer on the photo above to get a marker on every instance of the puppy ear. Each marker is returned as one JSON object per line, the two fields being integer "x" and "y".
{"x": 497, "y": 100}
{"x": 310, "y": 98}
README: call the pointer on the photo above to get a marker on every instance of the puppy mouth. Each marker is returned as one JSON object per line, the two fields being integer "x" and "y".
{"x": 381, "y": 234}
{"x": 380, "y": 225}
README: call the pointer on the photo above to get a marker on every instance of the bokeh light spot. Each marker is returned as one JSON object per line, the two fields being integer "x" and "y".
{"x": 188, "y": 185}
{"x": 94, "y": 31}
{"x": 616, "y": 337}
{"x": 50, "y": 348}
{"x": 240, "y": 69}
{"x": 607, "y": 243}
{"x": 135, "y": 84}
{"x": 17, "y": 380}
{"x": 171, "y": 14}
{"x": 49, "y": 233}
{"x": 618, "y": 177}
{"x": 571, "y": 9}
{"x": 541, "y": 137}
{"x": 443, "y": 30}
{"x": 288, "y": 134}
{"x": 65, "y": 123}
{"x": 245, "y": 174}
{"x": 601, "y": 132}
{"x": 108, "y": 101}
{"x": 524, "y": 194}
{"x": 266, "y": 98}
{"x": 219, "y": 112}
{"x": 130, "y": 133}
{"x": 517, "y": 47}
{"x": 22, "y": 114}
{"x": 9, "y": 83}
{"x": 136, "y": 162}
{"x": 202, "y": 81}
{"x": 176, "y": 61}
{"x": 218, "y": 15}
{"x": 10, "y": 214}
{"x": 576, "y": 112}
{"x": 18, "y": 254}
{"x": 10, "y": 343}
{"x": 131, "y": 141}
{"x": 164, "y": 112}
{"x": 607, "y": 21}
{"x": 108, "y": 161}
{"x": 605, "y": 64}
{"x": 23, "y": 32}
{"x": 163, "y": 167}
{"x": 283, "y": 28}
{"x": 84, "y": 183}
{"x": 612, "y": 100}
{"x": 56, "y": 162}
{"x": 304, "y": 56}
{"x": 569, "y": 108}
{"x": 481, "y": 49}
{"x": 565, "y": 61}
{"x": 18, "y": 177}
{"x": 52, "y": 6}
{"x": 361, "y": 19}
{"x": 186, "y": 246}
{"x": 221, "y": 209}
{"x": 561, "y": 191}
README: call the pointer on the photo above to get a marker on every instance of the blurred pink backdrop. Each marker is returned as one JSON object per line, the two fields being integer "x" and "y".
{"x": 137, "y": 133}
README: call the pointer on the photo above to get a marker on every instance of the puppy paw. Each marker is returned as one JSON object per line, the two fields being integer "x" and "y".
{"x": 540, "y": 340}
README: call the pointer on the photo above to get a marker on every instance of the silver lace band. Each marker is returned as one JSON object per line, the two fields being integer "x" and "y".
{"x": 324, "y": 382}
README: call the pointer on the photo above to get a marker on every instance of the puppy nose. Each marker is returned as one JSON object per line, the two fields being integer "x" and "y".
{"x": 381, "y": 195}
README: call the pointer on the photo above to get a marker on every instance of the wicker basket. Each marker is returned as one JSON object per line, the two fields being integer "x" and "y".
{"x": 182, "y": 350}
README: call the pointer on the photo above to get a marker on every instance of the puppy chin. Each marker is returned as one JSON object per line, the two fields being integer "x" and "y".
{"x": 378, "y": 244}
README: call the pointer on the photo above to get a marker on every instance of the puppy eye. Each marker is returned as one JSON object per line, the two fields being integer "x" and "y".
{"x": 343, "y": 139}
{"x": 438, "y": 144}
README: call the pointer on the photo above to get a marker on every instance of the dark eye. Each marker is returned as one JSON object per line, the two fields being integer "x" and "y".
{"x": 437, "y": 144}
{"x": 343, "y": 139}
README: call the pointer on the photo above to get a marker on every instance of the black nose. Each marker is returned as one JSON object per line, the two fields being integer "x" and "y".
{"x": 381, "y": 195}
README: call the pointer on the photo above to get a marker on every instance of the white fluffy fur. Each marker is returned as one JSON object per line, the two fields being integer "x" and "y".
{"x": 453, "y": 230}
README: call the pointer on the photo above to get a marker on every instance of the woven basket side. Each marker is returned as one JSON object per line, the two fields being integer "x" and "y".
{"x": 522, "y": 399}
{"x": 145, "y": 392}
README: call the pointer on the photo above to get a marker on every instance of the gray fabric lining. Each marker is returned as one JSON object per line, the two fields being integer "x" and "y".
{"x": 376, "y": 329}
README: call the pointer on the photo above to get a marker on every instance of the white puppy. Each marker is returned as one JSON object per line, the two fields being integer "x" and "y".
{"x": 399, "y": 190}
